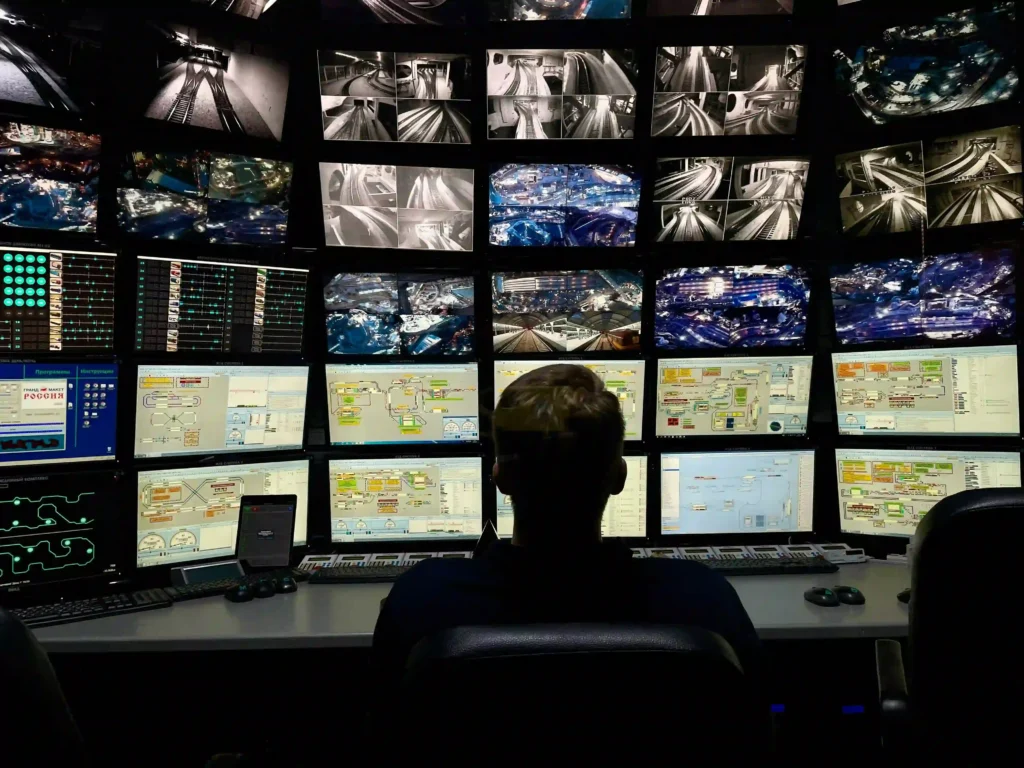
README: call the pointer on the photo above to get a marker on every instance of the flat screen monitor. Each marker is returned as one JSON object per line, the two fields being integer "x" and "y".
{"x": 886, "y": 493}
{"x": 391, "y": 313}
{"x": 191, "y": 514}
{"x": 192, "y": 305}
{"x": 437, "y": 12}
{"x": 57, "y": 528}
{"x": 731, "y": 307}
{"x": 950, "y": 391}
{"x": 250, "y": 9}
{"x": 580, "y": 310}
{"x": 623, "y": 378}
{"x": 183, "y": 410}
{"x": 737, "y": 492}
{"x": 968, "y": 295}
{"x": 733, "y": 396}
{"x": 554, "y": 93}
{"x": 57, "y": 413}
{"x": 963, "y": 58}
{"x": 376, "y": 500}
{"x": 56, "y": 300}
{"x": 567, "y": 10}
{"x": 625, "y": 515}
{"x": 719, "y": 7}
{"x": 736, "y": 90}
{"x": 388, "y": 206}
{"x": 422, "y": 98}
{"x": 712, "y": 199}
{"x": 403, "y": 403}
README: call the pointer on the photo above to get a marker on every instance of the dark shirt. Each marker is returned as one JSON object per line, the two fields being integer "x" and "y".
{"x": 516, "y": 585}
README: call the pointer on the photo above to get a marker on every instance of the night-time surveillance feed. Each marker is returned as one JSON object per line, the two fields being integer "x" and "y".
{"x": 973, "y": 178}
{"x": 718, "y": 7}
{"x": 49, "y": 60}
{"x": 561, "y": 94}
{"x": 49, "y": 178}
{"x": 567, "y": 311}
{"x": 387, "y": 313}
{"x": 204, "y": 197}
{"x": 738, "y": 90}
{"x": 382, "y": 96}
{"x": 250, "y": 9}
{"x": 731, "y": 307}
{"x": 705, "y": 199}
{"x": 546, "y": 205}
{"x": 952, "y": 296}
{"x": 396, "y": 11}
{"x": 559, "y": 10}
{"x": 961, "y": 59}
{"x": 388, "y": 206}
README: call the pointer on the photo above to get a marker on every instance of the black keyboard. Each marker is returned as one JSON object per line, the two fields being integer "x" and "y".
{"x": 358, "y": 574}
{"x": 219, "y": 587}
{"x": 773, "y": 567}
{"x": 92, "y": 608}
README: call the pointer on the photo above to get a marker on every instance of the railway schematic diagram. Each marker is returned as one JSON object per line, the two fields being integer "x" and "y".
{"x": 44, "y": 536}
{"x": 870, "y": 393}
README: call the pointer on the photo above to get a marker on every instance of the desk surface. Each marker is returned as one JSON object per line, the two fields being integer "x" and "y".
{"x": 343, "y": 616}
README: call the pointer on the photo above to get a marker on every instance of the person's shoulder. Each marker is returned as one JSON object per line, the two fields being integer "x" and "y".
{"x": 681, "y": 572}
{"x": 429, "y": 575}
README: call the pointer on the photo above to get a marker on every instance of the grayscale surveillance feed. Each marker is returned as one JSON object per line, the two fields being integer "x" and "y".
{"x": 719, "y": 7}
{"x": 441, "y": 12}
{"x": 567, "y": 311}
{"x": 559, "y": 10}
{"x": 883, "y": 189}
{"x": 249, "y": 9}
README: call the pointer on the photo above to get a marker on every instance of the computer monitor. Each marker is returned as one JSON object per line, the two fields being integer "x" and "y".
{"x": 625, "y": 515}
{"x": 189, "y": 409}
{"x": 188, "y": 305}
{"x": 377, "y": 500}
{"x": 57, "y": 528}
{"x": 737, "y": 492}
{"x": 719, "y": 7}
{"x": 579, "y": 10}
{"x": 191, "y": 514}
{"x": 733, "y": 396}
{"x": 951, "y": 391}
{"x": 442, "y": 14}
{"x": 55, "y": 413}
{"x": 623, "y": 378}
{"x": 886, "y": 493}
{"x": 403, "y": 403}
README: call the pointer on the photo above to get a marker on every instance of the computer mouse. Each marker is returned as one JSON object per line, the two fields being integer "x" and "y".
{"x": 821, "y": 596}
{"x": 904, "y": 596}
{"x": 849, "y": 595}
{"x": 264, "y": 588}
{"x": 241, "y": 593}
{"x": 285, "y": 584}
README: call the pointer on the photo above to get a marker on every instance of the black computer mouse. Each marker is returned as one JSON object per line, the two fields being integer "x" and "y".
{"x": 241, "y": 593}
{"x": 821, "y": 596}
{"x": 285, "y": 584}
{"x": 904, "y": 596}
{"x": 264, "y": 588}
{"x": 849, "y": 595}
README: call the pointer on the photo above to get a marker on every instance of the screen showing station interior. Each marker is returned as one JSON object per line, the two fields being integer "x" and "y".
{"x": 403, "y": 403}
{"x": 720, "y": 7}
{"x": 561, "y": 10}
{"x": 731, "y": 307}
{"x": 950, "y": 296}
{"x": 625, "y": 515}
{"x": 561, "y": 94}
{"x": 947, "y": 391}
{"x": 436, "y": 12}
{"x": 388, "y": 206}
{"x": 740, "y": 492}
{"x": 623, "y": 378}
{"x": 733, "y": 396}
{"x": 405, "y": 499}
{"x": 886, "y": 493}
{"x": 192, "y": 514}
{"x": 189, "y": 409}
{"x": 188, "y": 305}
{"x": 971, "y": 178}
{"x": 567, "y": 311}
{"x": 549, "y": 205}
{"x": 56, "y": 301}
{"x": 57, "y": 413}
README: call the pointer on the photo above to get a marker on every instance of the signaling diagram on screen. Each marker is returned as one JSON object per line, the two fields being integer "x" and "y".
{"x": 46, "y": 537}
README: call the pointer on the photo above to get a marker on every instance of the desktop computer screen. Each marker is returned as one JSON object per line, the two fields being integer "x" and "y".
{"x": 186, "y": 409}
{"x": 376, "y": 500}
{"x": 403, "y": 403}
{"x": 886, "y": 493}
{"x": 954, "y": 391}
{"x": 191, "y": 514}
{"x": 625, "y": 516}
{"x": 737, "y": 492}
{"x": 623, "y": 378}
{"x": 733, "y": 396}
{"x": 56, "y": 413}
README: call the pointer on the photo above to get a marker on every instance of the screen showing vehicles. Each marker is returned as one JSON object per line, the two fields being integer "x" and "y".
{"x": 564, "y": 10}
{"x": 733, "y": 396}
{"x": 739, "y": 492}
{"x": 886, "y": 493}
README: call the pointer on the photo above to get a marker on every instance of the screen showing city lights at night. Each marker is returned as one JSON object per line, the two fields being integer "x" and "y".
{"x": 731, "y": 307}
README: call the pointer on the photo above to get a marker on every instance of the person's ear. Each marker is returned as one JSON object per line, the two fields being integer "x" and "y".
{"x": 617, "y": 478}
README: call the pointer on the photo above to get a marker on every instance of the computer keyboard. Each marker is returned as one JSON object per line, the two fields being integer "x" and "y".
{"x": 355, "y": 574}
{"x": 220, "y": 586}
{"x": 92, "y": 608}
{"x": 780, "y": 566}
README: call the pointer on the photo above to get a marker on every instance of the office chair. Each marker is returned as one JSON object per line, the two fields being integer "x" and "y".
{"x": 964, "y": 649}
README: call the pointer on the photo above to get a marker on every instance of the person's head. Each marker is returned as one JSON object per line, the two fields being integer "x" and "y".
{"x": 558, "y": 444}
